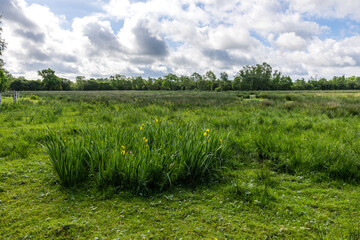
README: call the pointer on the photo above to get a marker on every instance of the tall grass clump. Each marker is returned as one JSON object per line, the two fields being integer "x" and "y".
{"x": 68, "y": 157}
{"x": 153, "y": 155}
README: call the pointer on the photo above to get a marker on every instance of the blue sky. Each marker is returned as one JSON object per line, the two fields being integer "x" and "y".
{"x": 301, "y": 38}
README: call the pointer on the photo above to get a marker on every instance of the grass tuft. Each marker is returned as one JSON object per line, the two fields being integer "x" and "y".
{"x": 153, "y": 155}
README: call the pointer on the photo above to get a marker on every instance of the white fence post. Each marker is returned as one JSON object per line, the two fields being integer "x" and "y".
{"x": 15, "y": 96}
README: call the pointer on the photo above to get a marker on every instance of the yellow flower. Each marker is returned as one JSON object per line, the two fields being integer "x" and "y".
{"x": 123, "y": 152}
{"x": 142, "y": 125}
{"x": 220, "y": 140}
{"x": 141, "y": 128}
{"x": 205, "y": 134}
{"x": 146, "y": 140}
{"x": 156, "y": 120}
{"x": 123, "y": 147}
{"x": 207, "y": 130}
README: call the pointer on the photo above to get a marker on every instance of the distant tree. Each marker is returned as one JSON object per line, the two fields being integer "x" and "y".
{"x": 138, "y": 83}
{"x": 2, "y": 45}
{"x": 50, "y": 80}
{"x": 118, "y": 82}
{"x": 65, "y": 84}
{"x": 256, "y": 77}
{"x": 353, "y": 82}
{"x": 33, "y": 85}
{"x": 211, "y": 78}
{"x": 338, "y": 82}
{"x": 236, "y": 83}
{"x": 196, "y": 77}
{"x": 18, "y": 85}
{"x": 91, "y": 85}
{"x": 171, "y": 82}
{"x": 186, "y": 83}
{"x": 200, "y": 83}
{"x": 225, "y": 83}
{"x": 166, "y": 84}
{"x": 285, "y": 83}
{"x": 80, "y": 82}
{"x": 3, "y": 81}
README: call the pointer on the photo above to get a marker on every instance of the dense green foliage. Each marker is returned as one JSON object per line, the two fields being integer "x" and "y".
{"x": 3, "y": 81}
{"x": 291, "y": 170}
{"x": 256, "y": 77}
{"x": 154, "y": 155}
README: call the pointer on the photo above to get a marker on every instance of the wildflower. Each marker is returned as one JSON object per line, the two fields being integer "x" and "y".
{"x": 220, "y": 140}
{"x": 123, "y": 152}
{"x": 156, "y": 120}
{"x": 146, "y": 140}
{"x": 142, "y": 125}
{"x": 123, "y": 147}
{"x": 141, "y": 128}
{"x": 205, "y": 134}
{"x": 207, "y": 130}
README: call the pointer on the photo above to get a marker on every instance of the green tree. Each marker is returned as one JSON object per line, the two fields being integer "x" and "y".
{"x": 2, "y": 45}
{"x": 256, "y": 77}
{"x": 186, "y": 83}
{"x": 3, "y": 81}
{"x": 65, "y": 84}
{"x": 50, "y": 80}
{"x": 211, "y": 78}
{"x": 225, "y": 83}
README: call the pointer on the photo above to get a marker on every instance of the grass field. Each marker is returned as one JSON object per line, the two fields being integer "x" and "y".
{"x": 180, "y": 165}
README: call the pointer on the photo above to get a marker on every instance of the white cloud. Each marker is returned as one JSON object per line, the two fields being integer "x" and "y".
{"x": 328, "y": 8}
{"x": 290, "y": 41}
{"x": 180, "y": 36}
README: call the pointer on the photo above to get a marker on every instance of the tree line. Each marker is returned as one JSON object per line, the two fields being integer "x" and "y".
{"x": 249, "y": 78}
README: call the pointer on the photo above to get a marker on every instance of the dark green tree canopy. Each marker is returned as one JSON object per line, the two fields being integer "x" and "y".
{"x": 50, "y": 80}
{"x": 3, "y": 81}
{"x": 256, "y": 77}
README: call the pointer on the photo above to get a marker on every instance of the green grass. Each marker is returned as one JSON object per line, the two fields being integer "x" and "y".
{"x": 288, "y": 165}
{"x": 153, "y": 155}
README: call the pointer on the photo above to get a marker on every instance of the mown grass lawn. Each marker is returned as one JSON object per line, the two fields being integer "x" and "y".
{"x": 291, "y": 171}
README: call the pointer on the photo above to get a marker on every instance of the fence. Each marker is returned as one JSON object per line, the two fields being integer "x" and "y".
{"x": 14, "y": 94}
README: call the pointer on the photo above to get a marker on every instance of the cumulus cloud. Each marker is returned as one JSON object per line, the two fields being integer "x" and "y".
{"x": 180, "y": 36}
{"x": 148, "y": 43}
{"x": 329, "y": 8}
{"x": 290, "y": 41}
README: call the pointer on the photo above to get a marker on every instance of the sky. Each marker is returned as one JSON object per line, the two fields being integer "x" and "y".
{"x": 99, "y": 38}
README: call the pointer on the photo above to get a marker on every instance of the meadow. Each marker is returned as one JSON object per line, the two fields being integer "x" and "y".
{"x": 180, "y": 165}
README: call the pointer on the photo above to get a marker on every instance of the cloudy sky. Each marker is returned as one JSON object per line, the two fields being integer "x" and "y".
{"x": 95, "y": 38}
